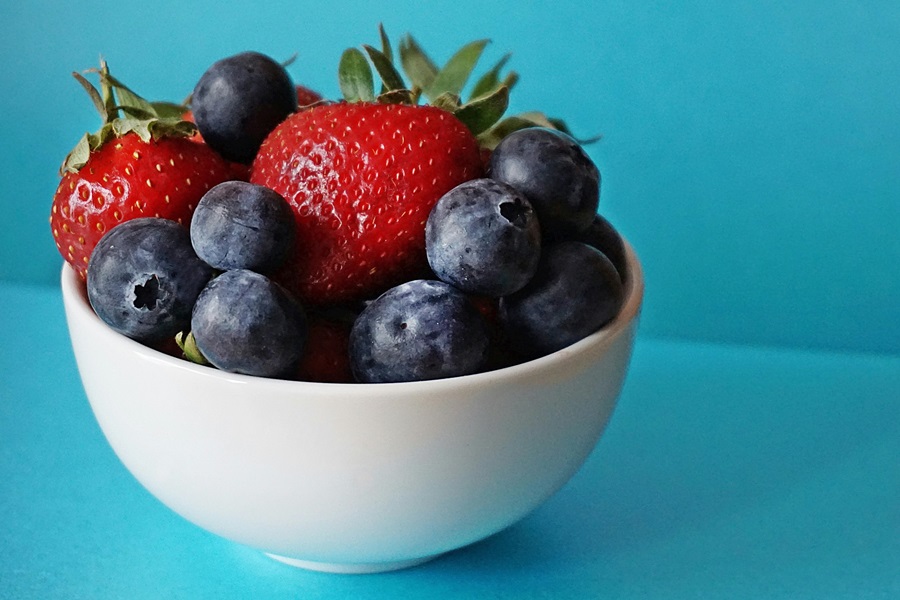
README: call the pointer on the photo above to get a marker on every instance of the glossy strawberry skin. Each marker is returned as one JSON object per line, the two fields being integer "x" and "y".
{"x": 362, "y": 179}
{"x": 128, "y": 178}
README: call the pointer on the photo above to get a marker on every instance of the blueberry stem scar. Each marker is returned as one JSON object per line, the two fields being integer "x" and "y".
{"x": 146, "y": 294}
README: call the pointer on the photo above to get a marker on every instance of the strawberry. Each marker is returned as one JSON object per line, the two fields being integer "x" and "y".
{"x": 307, "y": 97}
{"x": 140, "y": 164}
{"x": 327, "y": 359}
{"x": 362, "y": 175}
{"x": 500, "y": 351}
{"x": 362, "y": 179}
{"x": 239, "y": 171}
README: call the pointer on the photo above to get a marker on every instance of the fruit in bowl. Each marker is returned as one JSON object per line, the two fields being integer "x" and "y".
{"x": 473, "y": 355}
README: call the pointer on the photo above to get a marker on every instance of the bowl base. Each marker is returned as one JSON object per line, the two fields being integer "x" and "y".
{"x": 351, "y": 568}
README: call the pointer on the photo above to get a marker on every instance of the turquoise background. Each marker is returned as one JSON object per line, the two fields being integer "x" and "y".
{"x": 751, "y": 149}
{"x": 750, "y": 153}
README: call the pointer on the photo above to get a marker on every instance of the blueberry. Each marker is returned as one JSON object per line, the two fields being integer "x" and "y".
{"x": 554, "y": 173}
{"x": 243, "y": 322}
{"x": 575, "y": 291}
{"x": 602, "y": 235}
{"x": 483, "y": 238}
{"x": 143, "y": 278}
{"x": 239, "y": 225}
{"x": 416, "y": 331}
{"x": 239, "y": 100}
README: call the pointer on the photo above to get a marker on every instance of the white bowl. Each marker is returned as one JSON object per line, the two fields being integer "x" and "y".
{"x": 351, "y": 477}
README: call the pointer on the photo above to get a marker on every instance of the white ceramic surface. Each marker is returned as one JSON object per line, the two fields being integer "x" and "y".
{"x": 351, "y": 477}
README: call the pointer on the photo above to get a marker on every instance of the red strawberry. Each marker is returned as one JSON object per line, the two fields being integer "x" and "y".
{"x": 362, "y": 179}
{"x": 307, "y": 97}
{"x": 501, "y": 354}
{"x": 363, "y": 175}
{"x": 239, "y": 171}
{"x": 135, "y": 167}
{"x": 327, "y": 357}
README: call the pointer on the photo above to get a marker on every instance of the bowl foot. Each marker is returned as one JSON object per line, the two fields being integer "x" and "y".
{"x": 351, "y": 568}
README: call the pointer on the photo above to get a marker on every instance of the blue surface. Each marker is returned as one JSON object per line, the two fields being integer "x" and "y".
{"x": 751, "y": 153}
{"x": 726, "y": 472}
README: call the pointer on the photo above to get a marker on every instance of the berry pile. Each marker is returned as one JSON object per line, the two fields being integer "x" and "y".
{"x": 400, "y": 234}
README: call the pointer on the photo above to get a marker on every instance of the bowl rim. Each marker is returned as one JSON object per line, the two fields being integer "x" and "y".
{"x": 76, "y": 302}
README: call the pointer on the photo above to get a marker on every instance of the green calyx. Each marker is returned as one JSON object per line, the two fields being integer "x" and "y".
{"x": 482, "y": 111}
{"x": 122, "y": 111}
{"x": 188, "y": 345}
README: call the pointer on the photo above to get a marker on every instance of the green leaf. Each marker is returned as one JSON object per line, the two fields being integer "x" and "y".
{"x": 537, "y": 119}
{"x": 559, "y": 124}
{"x": 106, "y": 90}
{"x": 562, "y": 126}
{"x": 168, "y": 110}
{"x": 132, "y": 125}
{"x": 355, "y": 77}
{"x": 420, "y": 69}
{"x": 447, "y": 101}
{"x": 511, "y": 79}
{"x": 133, "y": 112}
{"x": 396, "y": 97}
{"x": 89, "y": 142}
{"x": 385, "y": 44}
{"x": 129, "y": 102}
{"x": 481, "y": 114}
{"x": 94, "y": 95}
{"x": 389, "y": 75}
{"x": 490, "y": 81}
{"x": 491, "y": 137}
{"x": 170, "y": 128}
{"x": 541, "y": 120}
{"x": 78, "y": 157}
{"x": 453, "y": 76}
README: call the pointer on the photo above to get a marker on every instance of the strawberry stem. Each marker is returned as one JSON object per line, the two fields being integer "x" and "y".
{"x": 121, "y": 112}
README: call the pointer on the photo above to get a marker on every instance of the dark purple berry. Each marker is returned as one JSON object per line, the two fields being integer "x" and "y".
{"x": 239, "y": 225}
{"x": 416, "y": 331}
{"x": 143, "y": 278}
{"x": 483, "y": 238}
{"x": 602, "y": 235}
{"x": 554, "y": 173}
{"x": 575, "y": 291}
{"x": 243, "y": 322}
{"x": 239, "y": 100}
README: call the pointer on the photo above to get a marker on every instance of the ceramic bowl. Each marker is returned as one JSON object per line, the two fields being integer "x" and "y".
{"x": 351, "y": 477}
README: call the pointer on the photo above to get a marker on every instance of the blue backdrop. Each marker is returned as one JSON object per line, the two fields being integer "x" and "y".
{"x": 751, "y": 150}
